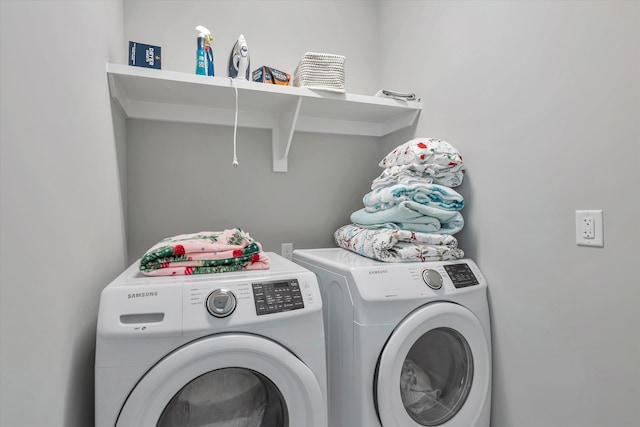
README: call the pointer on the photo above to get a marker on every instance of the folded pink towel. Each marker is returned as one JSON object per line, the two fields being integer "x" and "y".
{"x": 203, "y": 253}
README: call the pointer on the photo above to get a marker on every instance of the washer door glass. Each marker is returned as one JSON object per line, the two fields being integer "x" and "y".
{"x": 227, "y": 380}
{"x": 229, "y": 397}
{"x": 436, "y": 376}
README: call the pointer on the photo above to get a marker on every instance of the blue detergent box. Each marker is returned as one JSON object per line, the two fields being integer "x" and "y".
{"x": 144, "y": 55}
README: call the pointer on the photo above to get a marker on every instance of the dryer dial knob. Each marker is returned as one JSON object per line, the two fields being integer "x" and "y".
{"x": 221, "y": 303}
{"x": 432, "y": 278}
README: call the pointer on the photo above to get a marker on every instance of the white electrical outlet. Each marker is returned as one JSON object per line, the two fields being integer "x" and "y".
{"x": 589, "y": 228}
{"x": 287, "y": 250}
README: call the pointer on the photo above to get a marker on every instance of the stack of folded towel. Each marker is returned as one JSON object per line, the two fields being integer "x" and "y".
{"x": 204, "y": 252}
{"x": 412, "y": 211}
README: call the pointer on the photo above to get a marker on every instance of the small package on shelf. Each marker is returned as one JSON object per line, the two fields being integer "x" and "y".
{"x": 144, "y": 55}
{"x": 270, "y": 75}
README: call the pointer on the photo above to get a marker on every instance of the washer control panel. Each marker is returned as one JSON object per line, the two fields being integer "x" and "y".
{"x": 277, "y": 296}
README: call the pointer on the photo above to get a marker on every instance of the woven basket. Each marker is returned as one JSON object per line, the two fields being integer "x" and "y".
{"x": 322, "y": 71}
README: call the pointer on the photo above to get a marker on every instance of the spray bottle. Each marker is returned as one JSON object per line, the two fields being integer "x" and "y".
{"x": 201, "y": 67}
{"x": 208, "y": 51}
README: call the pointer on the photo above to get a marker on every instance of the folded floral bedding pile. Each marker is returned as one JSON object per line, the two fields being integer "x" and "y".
{"x": 412, "y": 210}
{"x": 398, "y": 245}
{"x": 203, "y": 253}
{"x": 422, "y": 160}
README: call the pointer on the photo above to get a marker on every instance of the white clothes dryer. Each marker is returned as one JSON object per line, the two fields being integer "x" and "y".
{"x": 231, "y": 349}
{"x": 408, "y": 344}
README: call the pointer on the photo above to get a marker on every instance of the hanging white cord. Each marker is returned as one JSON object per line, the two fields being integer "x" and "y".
{"x": 235, "y": 125}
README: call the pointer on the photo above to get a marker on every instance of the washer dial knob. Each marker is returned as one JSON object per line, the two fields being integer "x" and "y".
{"x": 221, "y": 303}
{"x": 432, "y": 278}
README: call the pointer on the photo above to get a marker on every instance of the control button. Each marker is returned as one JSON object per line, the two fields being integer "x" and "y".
{"x": 432, "y": 278}
{"x": 221, "y": 303}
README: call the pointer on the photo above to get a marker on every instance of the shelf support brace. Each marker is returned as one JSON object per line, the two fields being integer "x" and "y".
{"x": 282, "y": 135}
{"x": 116, "y": 94}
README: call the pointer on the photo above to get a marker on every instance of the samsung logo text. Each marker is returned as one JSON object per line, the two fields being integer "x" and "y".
{"x": 143, "y": 295}
{"x": 372, "y": 272}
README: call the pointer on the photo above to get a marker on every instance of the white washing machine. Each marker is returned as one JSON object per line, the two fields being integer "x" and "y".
{"x": 231, "y": 349}
{"x": 408, "y": 344}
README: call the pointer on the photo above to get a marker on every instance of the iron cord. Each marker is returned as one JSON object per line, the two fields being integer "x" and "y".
{"x": 235, "y": 125}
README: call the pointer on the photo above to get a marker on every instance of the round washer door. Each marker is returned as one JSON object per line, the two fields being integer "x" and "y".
{"x": 225, "y": 380}
{"x": 434, "y": 370}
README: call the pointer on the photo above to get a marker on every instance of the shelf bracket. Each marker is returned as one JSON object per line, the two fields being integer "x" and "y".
{"x": 282, "y": 135}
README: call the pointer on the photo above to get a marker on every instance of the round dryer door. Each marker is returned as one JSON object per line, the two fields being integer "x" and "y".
{"x": 226, "y": 380}
{"x": 434, "y": 370}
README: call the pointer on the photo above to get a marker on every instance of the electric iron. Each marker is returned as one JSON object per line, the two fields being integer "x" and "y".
{"x": 239, "y": 60}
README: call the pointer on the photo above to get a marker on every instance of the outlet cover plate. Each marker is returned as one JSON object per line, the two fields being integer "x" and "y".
{"x": 287, "y": 251}
{"x": 589, "y": 228}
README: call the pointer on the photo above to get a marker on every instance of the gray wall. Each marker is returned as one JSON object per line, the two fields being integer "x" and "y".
{"x": 543, "y": 101}
{"x": 540, "y": 97}
{"x": 278, "y": 33}
{"x": 61, "y": 222}
{"x": 180, "y": 178}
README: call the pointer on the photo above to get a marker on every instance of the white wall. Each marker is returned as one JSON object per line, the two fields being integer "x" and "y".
{"x": 61, "y": 217}
{"x": 180, "y": 178}
{"x": 543, "y": 101}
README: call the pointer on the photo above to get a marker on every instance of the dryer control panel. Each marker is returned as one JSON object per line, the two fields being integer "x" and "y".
{"x": 378, "y": 281}
{"x": 461, "y": 275}
{"x": 276, "y": 296}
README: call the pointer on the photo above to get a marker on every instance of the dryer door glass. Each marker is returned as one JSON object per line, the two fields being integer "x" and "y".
{"x": 229, "y": 397}
{"x": 436, "y": 376}
{"x": 434, "y": 369}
